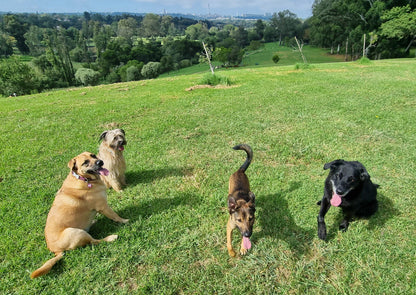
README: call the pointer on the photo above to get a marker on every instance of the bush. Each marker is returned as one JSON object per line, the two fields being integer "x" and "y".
{"x": 210, "y": 79}
{"x": 185, "y": 63}
{"x": 303, "y": 66}
{"x": 87, "y": 76}
{"x": 151, "y": 70}
{"x": 133, "y": 73}
{"x": 276, "y": 58}
{"x": 17, "y": 78}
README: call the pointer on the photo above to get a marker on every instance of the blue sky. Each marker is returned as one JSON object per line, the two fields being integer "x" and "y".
{"x": 301, "y": 8}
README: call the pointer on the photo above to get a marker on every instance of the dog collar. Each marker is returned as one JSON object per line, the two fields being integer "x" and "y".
{"x": 81, "y": 178}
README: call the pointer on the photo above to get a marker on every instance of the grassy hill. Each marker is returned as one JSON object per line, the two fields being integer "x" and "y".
{"x": 263, "y": 58}
{"x": 179, "y": 156}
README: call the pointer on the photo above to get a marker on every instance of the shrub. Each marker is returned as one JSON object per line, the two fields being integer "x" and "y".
{"x": 302, "y": 66}
{"x": 185, "y": 63}
{"x": 87, "y": 76}
{"x": 17, "y": 78}
{"x": 133, "y": 73}
{"x": 151, "y": 70}
{"x": 210, "y": 79}
{"x": 276, "y": 58}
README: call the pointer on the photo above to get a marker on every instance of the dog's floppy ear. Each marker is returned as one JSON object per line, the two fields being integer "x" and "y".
{"x": 73, "y": 164}
{"x": 102, "y": 136}
{"x": 364, "y": 174}
{"x": 231, "y": 204}
{"x": 252, "y": 196}
{"x": 333, "y": 164}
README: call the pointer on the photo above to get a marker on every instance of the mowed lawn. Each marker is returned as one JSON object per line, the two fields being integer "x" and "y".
{"x": 179, "y": 156}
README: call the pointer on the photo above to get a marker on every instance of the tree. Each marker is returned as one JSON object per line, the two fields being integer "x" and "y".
{"x": 127, "y": 28}
{"x": 400, "y": 23}
{"x": 151, "y": 70}
{"x": 17, "y": 78}
{"x": 6, "y": 44}
{"x": 150, "y": 26}
{"x": 198, "y": 31}
{"x": 14, "y": 27}
{"x": 87, "y": 76}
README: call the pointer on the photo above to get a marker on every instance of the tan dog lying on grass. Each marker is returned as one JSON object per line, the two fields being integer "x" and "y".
{"x": 81, "y": 196}
{"x": 111, "y": 152}
{"x": 241, "y": 204}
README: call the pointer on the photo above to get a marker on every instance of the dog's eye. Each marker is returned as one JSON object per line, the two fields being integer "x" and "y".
{"x": 86, "y": 163}
{"x": 239, "y": 220}
{"x": 351, "y": 179}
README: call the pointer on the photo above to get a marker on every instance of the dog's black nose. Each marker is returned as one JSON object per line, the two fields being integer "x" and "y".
{"x": 339, "y": 192}
{"x": 99, "y": 163}
{"x": 247, "y": 234}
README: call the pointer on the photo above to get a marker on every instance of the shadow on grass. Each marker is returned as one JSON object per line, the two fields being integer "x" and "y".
{"x": 385, "y": 212}
{"x": 144, "y": 176}
{"x": 277, "y": 221}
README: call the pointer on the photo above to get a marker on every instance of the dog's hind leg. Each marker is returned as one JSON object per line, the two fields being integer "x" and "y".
{"x": 72, "y": 238}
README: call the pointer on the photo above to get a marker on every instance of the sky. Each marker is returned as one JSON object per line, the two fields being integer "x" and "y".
{"x": 302, "y": 8}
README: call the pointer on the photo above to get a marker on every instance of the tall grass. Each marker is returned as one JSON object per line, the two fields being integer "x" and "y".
{"x": 179, "y": 156}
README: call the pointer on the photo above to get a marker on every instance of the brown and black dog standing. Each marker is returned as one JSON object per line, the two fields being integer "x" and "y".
{"x": 81, "y": 196}
{"x": 240, "y": 204}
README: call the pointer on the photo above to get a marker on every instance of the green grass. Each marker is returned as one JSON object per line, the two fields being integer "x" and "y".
{"x": 263, "y": 58}
{"x": 179, "y": 156}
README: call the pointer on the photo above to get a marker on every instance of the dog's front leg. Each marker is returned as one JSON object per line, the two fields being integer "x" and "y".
{"x": 325, "y": 205}
{"x": 230, "y": 228}
{"x": 108, "y": 212}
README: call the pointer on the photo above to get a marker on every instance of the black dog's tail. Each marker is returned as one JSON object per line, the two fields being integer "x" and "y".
{"x": 249, "y": 152}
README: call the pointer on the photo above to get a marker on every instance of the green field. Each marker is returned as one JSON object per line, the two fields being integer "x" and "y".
{"x": 263, "y": 58}
{"x": 179, "y": 157}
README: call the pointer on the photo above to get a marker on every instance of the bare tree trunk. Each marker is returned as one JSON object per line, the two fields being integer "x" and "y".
{"x": 346, "y": 50}
{"x": 300, "y": 50}
{"x": 208, "y": 58}
{"x": 364, "y": 55}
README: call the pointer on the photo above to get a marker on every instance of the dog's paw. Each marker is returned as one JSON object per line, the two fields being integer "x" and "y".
{"x": 243, "y": 251}
{"x": 111, "y": 238}
{"x": 124, "y": 220}
{"x": 231, "y": 252}
{"x": 322, "y": 233}
{"x": 343, "y": 227}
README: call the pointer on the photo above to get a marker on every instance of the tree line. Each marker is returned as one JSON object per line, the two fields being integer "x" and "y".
{"x": 128, "y": 47}
{"x": 372, "y": 28}
{"x": 117, "y": 48}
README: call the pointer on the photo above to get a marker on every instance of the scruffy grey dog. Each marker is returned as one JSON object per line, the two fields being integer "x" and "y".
{"x": 111, "y": 153}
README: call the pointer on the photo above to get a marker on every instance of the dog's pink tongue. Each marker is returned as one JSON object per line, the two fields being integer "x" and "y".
{"x": 336, "y": 200}
{"x": 104, "y": 171}
{"x": 121, "y": 148}
{"x": 246, "y": 243}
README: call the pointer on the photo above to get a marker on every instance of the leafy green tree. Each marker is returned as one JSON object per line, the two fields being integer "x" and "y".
{"x": 400, "y": 23}
{"x": 150, "y": 26}
{"x": 259, "y": 27}
{"x": 151, "y": 70}
{"x": 6, "y": 44}
{"x": 87, "y": 76}
{"x": 17, "y": 78}
{"x": 14, "y": 27}
{"x": 34, "y": 38}
{"x": 127, "y": 29}
{"x": 198, "y": 31}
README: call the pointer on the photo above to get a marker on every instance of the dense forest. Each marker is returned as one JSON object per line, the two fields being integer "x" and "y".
{"x": 45, "y": 51}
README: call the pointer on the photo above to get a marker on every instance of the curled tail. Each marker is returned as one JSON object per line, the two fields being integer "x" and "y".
{"x": 249, "y": 152}
{"x": 46, "y": 267}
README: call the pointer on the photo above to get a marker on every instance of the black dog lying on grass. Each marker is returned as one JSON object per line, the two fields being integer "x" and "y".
{"x": 348, "y": 186}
